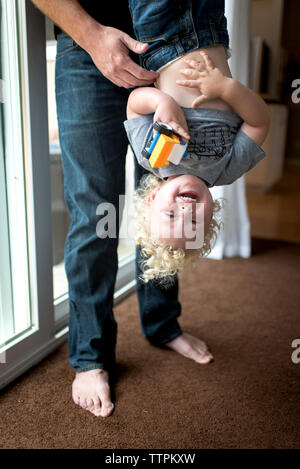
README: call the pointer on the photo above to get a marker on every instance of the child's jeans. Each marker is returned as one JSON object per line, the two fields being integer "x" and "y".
{"x": 174, "y": 27}
{"x": 91, "y": 111}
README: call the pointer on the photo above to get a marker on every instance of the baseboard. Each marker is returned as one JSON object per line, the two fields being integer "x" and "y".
{"x": 33, "y": 359}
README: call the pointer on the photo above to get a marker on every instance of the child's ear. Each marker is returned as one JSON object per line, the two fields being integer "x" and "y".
{"x": 152, "y": 195}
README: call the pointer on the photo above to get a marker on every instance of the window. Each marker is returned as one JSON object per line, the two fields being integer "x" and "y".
{"x": 26, "y": 300}
{"x": 15, "y": 312}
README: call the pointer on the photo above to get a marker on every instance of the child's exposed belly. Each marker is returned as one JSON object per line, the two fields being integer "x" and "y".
{"x": 185, "y": 96}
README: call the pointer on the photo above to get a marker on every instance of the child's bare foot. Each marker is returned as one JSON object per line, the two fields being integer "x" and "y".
{"x": 191, "y": 347}
{"x": 91, "y": 391}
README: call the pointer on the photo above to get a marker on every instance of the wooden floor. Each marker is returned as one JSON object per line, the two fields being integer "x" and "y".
{"x": 276, "y": 214}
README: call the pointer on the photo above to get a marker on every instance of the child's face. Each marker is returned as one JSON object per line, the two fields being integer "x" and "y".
{"x": 180, "y": 210}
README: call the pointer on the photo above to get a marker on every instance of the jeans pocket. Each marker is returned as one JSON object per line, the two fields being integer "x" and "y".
{"x": 65, "y": 45}
{"x": 154, "y": 21}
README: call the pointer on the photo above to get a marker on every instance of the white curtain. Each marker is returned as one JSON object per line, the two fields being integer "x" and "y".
{"x": 234, "y": 240}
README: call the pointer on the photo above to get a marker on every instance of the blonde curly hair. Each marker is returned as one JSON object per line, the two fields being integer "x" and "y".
{"x": 162, "y": 261}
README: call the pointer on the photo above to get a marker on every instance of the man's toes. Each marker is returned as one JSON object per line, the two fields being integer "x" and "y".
{"x": 97, "y": 406}
{"x": 200, "y": 354}
{"x": 103, "y": 411}
{"x": 97, "y": 413}
{"x": 76, "y": 399}
{"x": 90, "y": 404}
{"x": 104, "y": 394}
{"x": 106, "y": 406}
{"x": 205, "y": 358}
{"x": 83, "y": 403}
{"x": 107, "y": 410}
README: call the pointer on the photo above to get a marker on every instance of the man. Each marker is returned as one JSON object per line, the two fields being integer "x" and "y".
{"x": 95, "y": 73}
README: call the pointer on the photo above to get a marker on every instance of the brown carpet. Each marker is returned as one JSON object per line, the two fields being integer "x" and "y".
{"x": 247, "y": 311}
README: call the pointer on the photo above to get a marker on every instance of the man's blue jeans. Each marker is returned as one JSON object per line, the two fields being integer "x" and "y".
{"x": 91, "y": 111}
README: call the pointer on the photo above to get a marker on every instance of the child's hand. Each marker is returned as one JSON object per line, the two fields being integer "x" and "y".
{"x": 169, "y": 112}
{"x": 204, "y": 76}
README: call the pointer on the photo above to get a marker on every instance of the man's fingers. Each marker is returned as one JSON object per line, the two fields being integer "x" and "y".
{"x": 136, "y": 46}
{"x": 121, "y": 80}
{"x": 126, "y": 80}
{"x": 119, "y": 83}
{"x": 130, "y": 66}
{"x": 120, "y": 75}
{"x": 209, "y": 64}
{"x": 133, "y": 80}
{"x": 139, "y": 72}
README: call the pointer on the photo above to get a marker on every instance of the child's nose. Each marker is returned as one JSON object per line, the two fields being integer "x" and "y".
{"x": 185, "y": 207}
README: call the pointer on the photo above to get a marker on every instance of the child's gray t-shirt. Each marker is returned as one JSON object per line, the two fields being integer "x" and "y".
{"x": 218, "y": 151}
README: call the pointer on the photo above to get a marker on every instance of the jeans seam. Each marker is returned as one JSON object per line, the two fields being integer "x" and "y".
{"x": 90, "y": 367}
{"x": 193, "y": 26}
{"x": 213, "y": 32}
{"x": 172, "y": 337}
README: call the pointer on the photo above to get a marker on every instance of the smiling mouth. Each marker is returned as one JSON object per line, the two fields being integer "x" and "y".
{"x": 188, "y": 197}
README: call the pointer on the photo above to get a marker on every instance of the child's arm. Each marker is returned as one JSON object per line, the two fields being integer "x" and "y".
{"x": 213, "y": 84}
{"x": 147, "y": 100}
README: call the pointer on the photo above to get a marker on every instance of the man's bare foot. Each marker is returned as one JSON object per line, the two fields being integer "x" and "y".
{"x": 91, "y": 391}
{"x": 191, "y": 347}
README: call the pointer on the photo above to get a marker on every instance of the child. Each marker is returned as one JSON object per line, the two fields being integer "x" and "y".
{"x": 224, "y": 123}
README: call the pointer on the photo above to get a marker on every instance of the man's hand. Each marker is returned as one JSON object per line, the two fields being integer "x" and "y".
{"x": 170, "y": 113}
{"x": 108, "y": 47}
{"x": 206, "y": 77}
{"x": 109, "y": 50}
